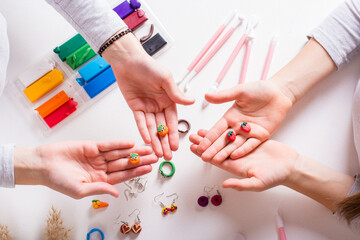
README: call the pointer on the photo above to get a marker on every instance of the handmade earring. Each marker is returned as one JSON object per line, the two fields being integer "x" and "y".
{"x": 136, "y": 228}
{"x": 246, "y": 127}
{"x": 134, "y": 158}
{"x": 165, "y": 210}
{"x": 173, "y": 207}
{"x": 231, "y": 135}
{"x": 125, "y": 228}
{"x": 162, "y": 130}
{"x": 216, "y": 200}
{"x": 203, "y": 201}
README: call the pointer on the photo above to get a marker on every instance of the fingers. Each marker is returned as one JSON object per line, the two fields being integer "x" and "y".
{"x": 172, "y": 123}
{"x": 141, "y": 124}
{"x": 155, "y": 142}
{"x": 246, "y": 148}
{"x": 124, "y": 163}
{"x": 225, "y": 95}
{"x": 124, "y": 153}
{"x": 212, "y": 150}
{"x": 121, "y": 176}
{"x": 113, "y": 145}
{"x": 164, "y": 140}
{"x": 224, "y": 153}
{"x": 215, "y": 132}
{"x": 96, "y": 188}
{"x": 175, "y": 94}
{"x": 245, "y": 184}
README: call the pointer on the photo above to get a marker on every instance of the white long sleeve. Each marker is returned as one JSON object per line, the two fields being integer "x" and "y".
{"x": 93, "y": 19}
{"x": 7, "y": 166}
{"x": 4, "y": 52}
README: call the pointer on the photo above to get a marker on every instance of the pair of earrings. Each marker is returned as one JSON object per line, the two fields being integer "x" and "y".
{"x": 216, "y": 200}
{"x": 165, "y": 210}
{"x": 135, "y": 228}
{"x": 140, "y": 187}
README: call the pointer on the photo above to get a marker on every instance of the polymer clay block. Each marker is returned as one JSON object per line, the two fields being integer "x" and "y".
{"x": 135, "y": 19}
{"x": 70, "y": 46}
{"x": 44, "y": 85}
{"x": 92, "y": 69}
{"x": 100, "y": 83}
{"x": 124, "y": 9}
{"x": 36, "y": 71}
{"x": 154, "y": 44}
{"x": 52, "y": 104}
{"x": 61, "y": 113}
{"x": 80, "y": 56}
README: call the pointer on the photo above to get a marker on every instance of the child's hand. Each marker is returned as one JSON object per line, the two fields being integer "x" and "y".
{"x": 261, "y": 104}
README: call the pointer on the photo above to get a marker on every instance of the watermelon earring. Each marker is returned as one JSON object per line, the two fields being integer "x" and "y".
{"x": 173, "y": 207}
{"x": 136, "y": 228}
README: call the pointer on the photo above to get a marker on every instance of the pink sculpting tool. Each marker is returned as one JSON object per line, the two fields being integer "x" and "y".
{"x": 252, "y": 23}
{"x": 245, "y": 63}
{"x": 269, "y": 57}
{"x": 280, "y": 225}
{"x": 214, "y": 50}
{"x": 206, "y": 48}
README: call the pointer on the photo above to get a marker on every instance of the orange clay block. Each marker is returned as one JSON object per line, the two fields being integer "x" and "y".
{"x": 52, "y": 104}
{"x": 44, "y": 85}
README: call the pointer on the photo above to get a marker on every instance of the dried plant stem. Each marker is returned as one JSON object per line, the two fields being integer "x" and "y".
{"x": 55, "y": 229}
{"x": 4, "y": 233}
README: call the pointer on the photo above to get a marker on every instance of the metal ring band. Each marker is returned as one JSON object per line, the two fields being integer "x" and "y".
{"x": 172, "y": 169}
{"x": 186, "y": 123}
{"x": 95, "y": 230}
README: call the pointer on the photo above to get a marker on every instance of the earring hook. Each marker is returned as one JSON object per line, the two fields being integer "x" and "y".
{"x": 137, "y": 216}
{"x": 161, "y": 204}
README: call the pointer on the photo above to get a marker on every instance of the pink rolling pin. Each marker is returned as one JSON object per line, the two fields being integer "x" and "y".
{"x": 245, "y": 63}
{"x": 269, "y": 57}
{"x": 208, "y": 45}
{"x": 252, "y": 23}
{"x": 211, "y": 54}
{"x": 280, "y": 225}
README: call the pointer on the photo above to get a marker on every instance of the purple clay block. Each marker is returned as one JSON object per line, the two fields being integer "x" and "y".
{"x": 124, "y": 9}
{"x": 216, "y": 200}
{"x": 203, "y": 201}
{"x": 135, "y": 4}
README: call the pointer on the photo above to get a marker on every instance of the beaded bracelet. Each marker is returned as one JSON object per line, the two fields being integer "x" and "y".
{"x": 112, "y": 40}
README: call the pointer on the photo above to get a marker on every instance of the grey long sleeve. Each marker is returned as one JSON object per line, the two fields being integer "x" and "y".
{"x": 93, "y": 19}
{"x": 339, "y": 33}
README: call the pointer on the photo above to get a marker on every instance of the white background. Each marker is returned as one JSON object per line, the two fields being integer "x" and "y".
{"x": 319, "y": 126}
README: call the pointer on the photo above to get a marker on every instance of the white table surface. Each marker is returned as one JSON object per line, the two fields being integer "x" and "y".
{"x": 34, "y": 28}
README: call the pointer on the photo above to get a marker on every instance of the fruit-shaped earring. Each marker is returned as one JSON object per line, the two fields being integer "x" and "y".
{"x": 203, "y": 201}
{"x": 246, "y": 127}
{"x": 162, "y": 130}
{"x": 125, "y": 228}
{"x": 134, "y": 158}
{"x": 165, "y": 210}
{"x": 173, "y": 207}
{"x": 136, "y": 228}
{"x": 231, "y": 135}
{"x": 216, "y": 200}
{"x": 98, "y": 204}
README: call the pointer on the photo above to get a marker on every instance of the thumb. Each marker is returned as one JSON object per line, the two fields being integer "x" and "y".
{"x": 245, "y": 184}
{"x": 97, "y": 188}
{"x": 225, "y": 95}
{"x": 175, "y": 94}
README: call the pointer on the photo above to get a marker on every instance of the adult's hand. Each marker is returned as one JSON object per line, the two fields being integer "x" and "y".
{"x": 263, "y": 105}
{"x": 269, "y": 165}
{"x": 149, "y": 90}
{"x": 81, "y": 168}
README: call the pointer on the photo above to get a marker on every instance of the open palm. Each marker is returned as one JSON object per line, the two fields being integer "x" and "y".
{"x": 262, "y": 105}
{"x": 83, "y": 168}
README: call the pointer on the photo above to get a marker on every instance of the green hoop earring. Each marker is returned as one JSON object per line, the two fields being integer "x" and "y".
{"x": 172, "y": 169}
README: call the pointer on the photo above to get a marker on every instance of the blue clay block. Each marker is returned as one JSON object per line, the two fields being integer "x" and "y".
{"x": 100, "y": 83}
{"x": 124, "y": 9}
{"x": 93, "y": 68}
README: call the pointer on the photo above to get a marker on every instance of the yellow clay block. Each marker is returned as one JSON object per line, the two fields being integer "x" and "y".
{"x": 44, "y": 85}
{"x": 52, "y": 104}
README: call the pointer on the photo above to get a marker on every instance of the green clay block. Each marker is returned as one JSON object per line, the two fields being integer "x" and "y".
{"x": 80, "y": 56}
{"x": 70, "y": 46}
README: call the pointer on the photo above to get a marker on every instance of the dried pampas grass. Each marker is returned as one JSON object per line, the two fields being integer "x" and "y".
{"x": 4, "y": 233}
{"x": 55, "y": 229}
